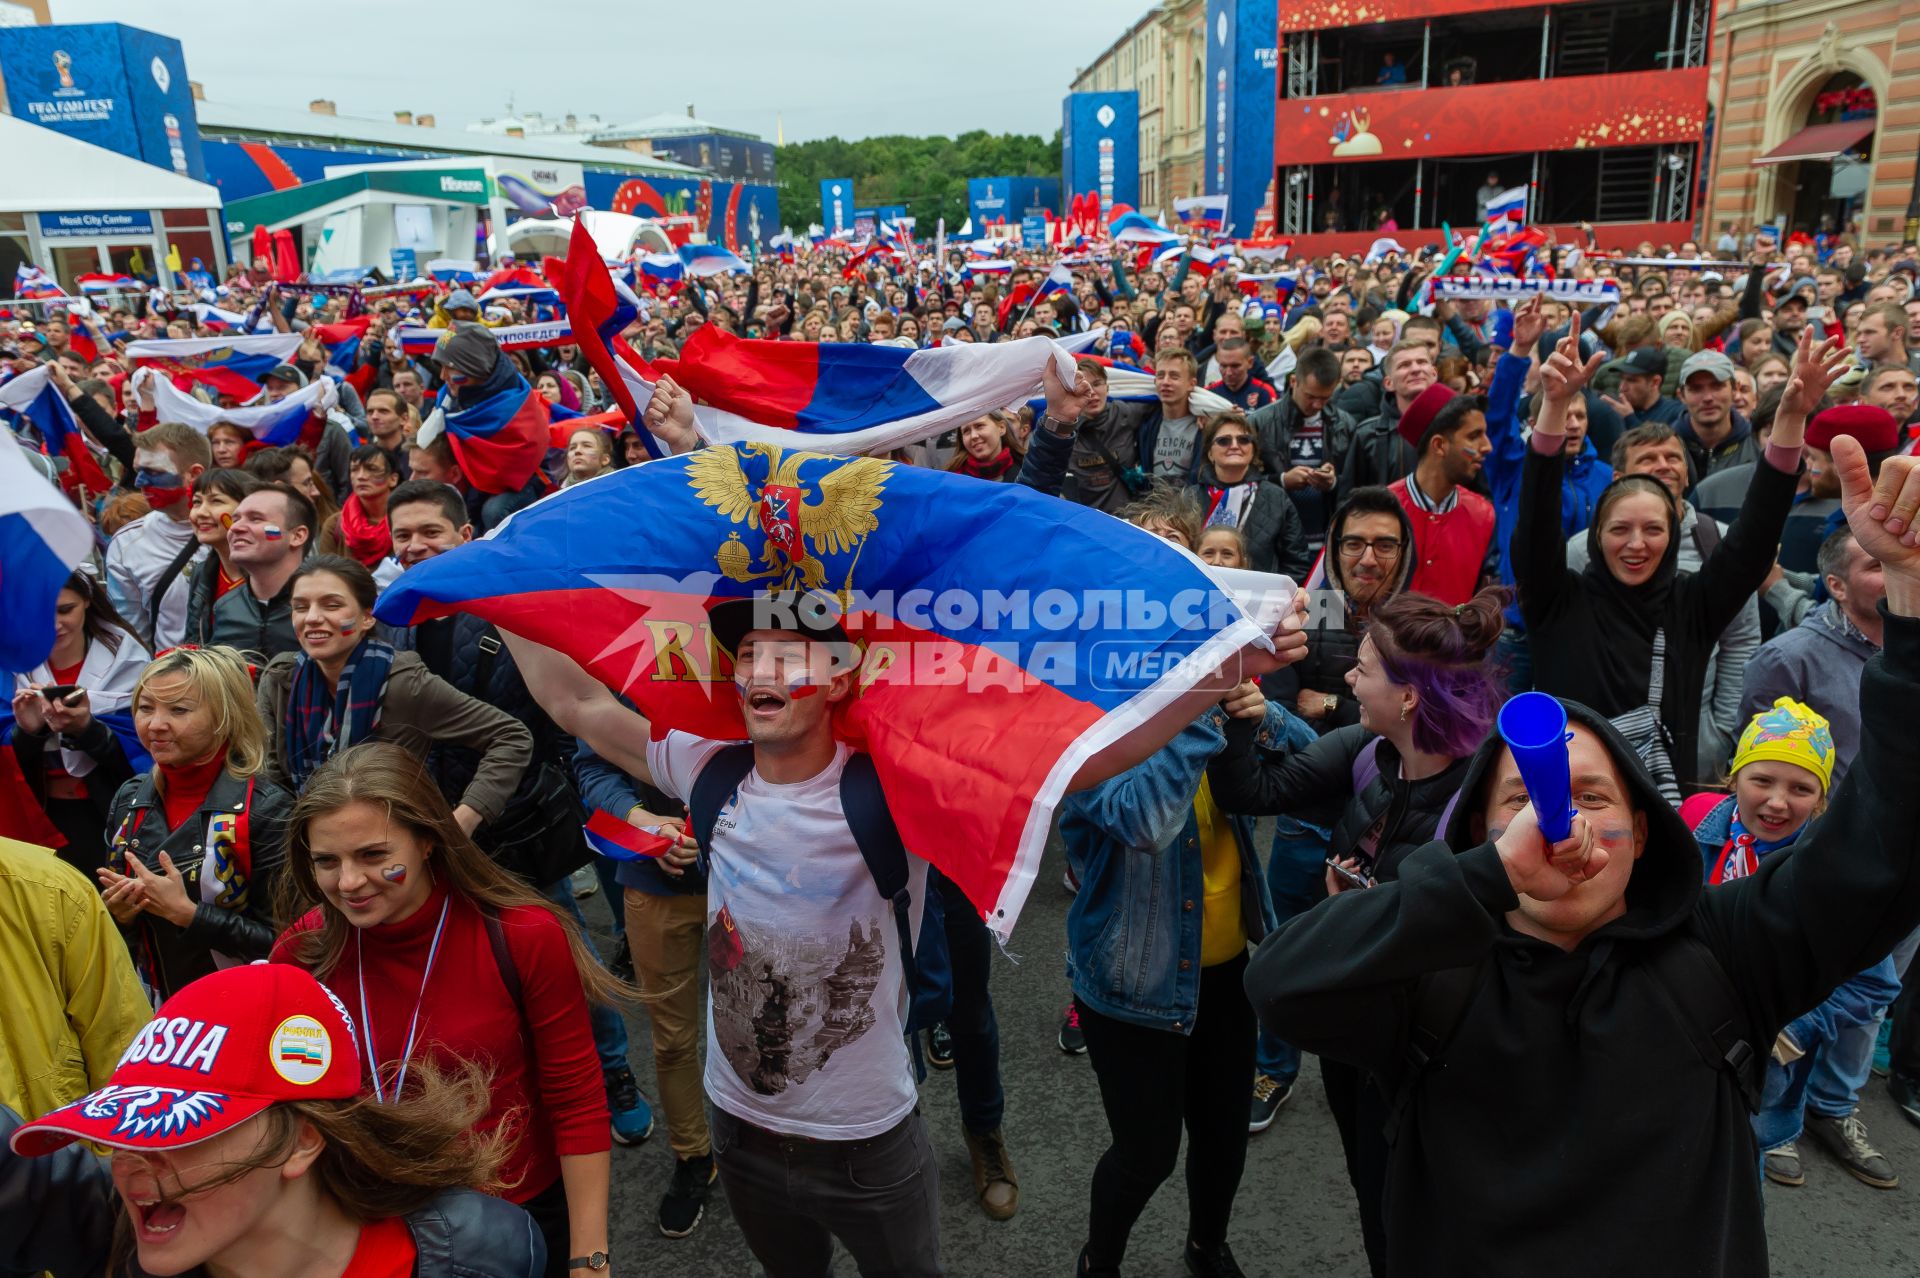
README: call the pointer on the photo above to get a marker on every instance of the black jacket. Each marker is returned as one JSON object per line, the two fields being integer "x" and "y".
{"x": 1570, "y": 1125}
{"x": 1252, "y": 782}
{"x": 1377, "y": 456}
{"x": 1271, "y": 526}
{"x": 1592, "y": 638}
{"x": 1333, "y": 638}
{"x": 170, "y": 956}
{"x": 1276, "y": 424}
{"x": 240, "y": 621}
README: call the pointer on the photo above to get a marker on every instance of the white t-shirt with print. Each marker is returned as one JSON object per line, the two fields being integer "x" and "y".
{"x": 807, "y": 1013}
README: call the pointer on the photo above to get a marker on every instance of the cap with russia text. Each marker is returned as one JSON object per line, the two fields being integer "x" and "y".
{"x": 218, "y": 1053}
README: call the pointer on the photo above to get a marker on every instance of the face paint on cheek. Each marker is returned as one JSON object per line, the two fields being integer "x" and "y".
{"x": 1614, "y": 836}
{"x": 226, "y": 520}
{"x": 272, "y": 532}
{"x": 394, "y": 874}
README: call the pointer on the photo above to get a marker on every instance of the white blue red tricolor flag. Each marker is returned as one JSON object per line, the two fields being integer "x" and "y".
{"x": 1138, "y": 228}
{"x": 977, "y": 718}
{"x": 710, "y": 259}
{"x": 500, "y": 440}
{"x": 42, "y": 539}
{"x": 230, "y": 366}
{"x": 1508, "y": 210}
{"x": 1208, "y": 211}
{"x": 275, "y": 425}
{"x": 30, "y": 283}
{"x": 34, "y": 397}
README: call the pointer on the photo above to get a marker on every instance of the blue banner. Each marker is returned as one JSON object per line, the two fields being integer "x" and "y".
{"x": 111, "y": 85}
{"x": 836, "y": 204}
{"x": 1100, "y": 146}
{"x": 1010, "y": 199}
{"x": 1242, "y": 57}
{"x": 88, "y": 225}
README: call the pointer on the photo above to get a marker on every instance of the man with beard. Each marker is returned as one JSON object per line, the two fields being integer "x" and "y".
{"x": 1452, "y": 525}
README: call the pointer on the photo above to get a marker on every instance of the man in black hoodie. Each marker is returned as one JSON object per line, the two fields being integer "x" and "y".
{"x": 1567, "y": 1100}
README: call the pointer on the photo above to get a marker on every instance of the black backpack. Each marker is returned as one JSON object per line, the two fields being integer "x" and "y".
{"x": 928, "y": 968}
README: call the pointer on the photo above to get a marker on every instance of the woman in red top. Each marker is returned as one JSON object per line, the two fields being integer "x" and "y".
{"x": 441, "y": 956}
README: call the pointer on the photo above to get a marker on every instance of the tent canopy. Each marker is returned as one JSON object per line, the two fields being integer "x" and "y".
{"x": 50, "y": 172}
{"x": 1819, "y": 142}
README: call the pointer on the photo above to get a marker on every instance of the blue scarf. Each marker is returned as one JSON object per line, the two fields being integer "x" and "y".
{"x": 320, "y": 723}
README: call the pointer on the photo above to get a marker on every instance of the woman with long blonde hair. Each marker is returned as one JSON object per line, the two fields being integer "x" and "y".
{"x": 442, "y": 957}
{"x": 244, "y": 1142}
{"x": 196, "y": 844}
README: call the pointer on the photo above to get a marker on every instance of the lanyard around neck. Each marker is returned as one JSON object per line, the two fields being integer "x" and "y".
{"x": 413, "y": 1026}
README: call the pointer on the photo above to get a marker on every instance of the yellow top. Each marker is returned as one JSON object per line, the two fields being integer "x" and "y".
{"x": 1223, "y": 934}
{"x": 73, "y": 1002}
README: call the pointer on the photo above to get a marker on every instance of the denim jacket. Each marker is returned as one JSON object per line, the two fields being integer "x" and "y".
{"x": 1133, "y": 931}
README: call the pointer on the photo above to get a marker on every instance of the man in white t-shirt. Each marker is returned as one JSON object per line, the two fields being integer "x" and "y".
{"x": 807, "y": 1062}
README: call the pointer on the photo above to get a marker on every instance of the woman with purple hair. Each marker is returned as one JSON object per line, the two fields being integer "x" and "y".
{"x": 1427, "y": 699}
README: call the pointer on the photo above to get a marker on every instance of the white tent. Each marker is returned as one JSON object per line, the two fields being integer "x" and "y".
{"x": 88, "y": 209}
{"x": 617, "y": 235}
{"x": 47, "y": 171}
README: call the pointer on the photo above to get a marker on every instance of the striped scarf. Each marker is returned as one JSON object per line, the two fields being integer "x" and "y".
{"x": 1643, "y": 730}
{"x": 319, "y": 723}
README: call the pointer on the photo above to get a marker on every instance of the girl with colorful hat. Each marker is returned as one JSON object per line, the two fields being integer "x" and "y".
{"x": 1781, "y": 774}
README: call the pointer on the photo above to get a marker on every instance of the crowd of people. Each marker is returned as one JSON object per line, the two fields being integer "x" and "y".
{"x": 344, "y": 860}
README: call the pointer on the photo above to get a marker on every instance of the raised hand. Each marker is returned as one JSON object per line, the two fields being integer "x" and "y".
{"x": 669, "y": 416}
{"x": 1881, "y": 513}
{"x": 1815, "y": 369}
{"x": 1529, "y": 322}
{"x": 1563, "y": 375}
{"x": 1548, "y": 871}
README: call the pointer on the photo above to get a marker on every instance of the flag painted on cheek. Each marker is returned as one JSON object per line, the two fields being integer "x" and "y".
{"x": 976, "y": 716}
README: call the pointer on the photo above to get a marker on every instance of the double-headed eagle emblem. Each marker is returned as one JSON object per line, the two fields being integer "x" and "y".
{"x": 845, "y": 512}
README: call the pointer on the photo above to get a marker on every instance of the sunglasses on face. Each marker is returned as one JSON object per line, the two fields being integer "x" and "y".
{"x": 1232, "y": 441}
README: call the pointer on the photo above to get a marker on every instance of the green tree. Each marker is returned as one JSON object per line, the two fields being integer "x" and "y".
{"x": 928, "y": 175}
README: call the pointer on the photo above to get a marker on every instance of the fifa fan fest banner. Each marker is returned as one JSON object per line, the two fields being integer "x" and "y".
{"x": 1495, "y": 287}
{"x": 1640, "y": 108}
{"x": 1100, "y": 147}
{"x": 1242, "y": 54}
{"x": 114, "y": 86}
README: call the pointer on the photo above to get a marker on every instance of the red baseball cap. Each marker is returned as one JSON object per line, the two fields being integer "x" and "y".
{"x": 218, "y": 1053}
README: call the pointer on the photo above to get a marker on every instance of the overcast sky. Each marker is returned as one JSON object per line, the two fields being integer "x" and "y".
{"x": 823, "y": 68}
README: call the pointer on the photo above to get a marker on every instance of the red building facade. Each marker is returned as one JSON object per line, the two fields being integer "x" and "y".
{"x": 1406, "y": 114}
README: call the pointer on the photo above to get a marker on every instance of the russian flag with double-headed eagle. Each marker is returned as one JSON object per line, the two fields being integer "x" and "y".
{"x": 230, "y": 366}
{"x": 985, "y": 680}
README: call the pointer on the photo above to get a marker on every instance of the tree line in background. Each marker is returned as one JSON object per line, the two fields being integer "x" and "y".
{"x": 928, "y": 175}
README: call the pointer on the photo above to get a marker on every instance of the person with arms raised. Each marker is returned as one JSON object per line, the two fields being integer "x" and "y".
{"x": 1517, "y": 996}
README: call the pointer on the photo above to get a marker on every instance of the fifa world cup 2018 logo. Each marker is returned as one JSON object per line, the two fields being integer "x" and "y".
{"x": 63, "y": 63}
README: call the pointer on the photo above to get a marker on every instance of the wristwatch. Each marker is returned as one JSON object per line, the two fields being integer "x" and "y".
{"x": 1054, "y": 426}
{"x": 1331, "y": 704}
{"x": 597, "y": 1262}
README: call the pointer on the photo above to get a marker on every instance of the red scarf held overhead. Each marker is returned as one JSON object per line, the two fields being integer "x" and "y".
{"x": 987, "y": 470}
{"x": 366, "y": 541}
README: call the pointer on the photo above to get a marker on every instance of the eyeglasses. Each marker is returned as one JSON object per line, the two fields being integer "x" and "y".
{"x": 1229, "y": 441}
{"x": 1383, "y": 548}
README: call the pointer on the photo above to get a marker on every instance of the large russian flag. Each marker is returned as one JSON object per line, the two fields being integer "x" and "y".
{"x": 275, "y": 425}
{"x": 710, "y": 259}
{"x": 34, "y": 397}
{"x": 499, "y": 441}
{"x": 42, "y": 539}
{"x": 231, "y": 366}
{"x": 987, "y": 678}
{"x": 1138, "y": 228}
{"x": 849, "y": 397}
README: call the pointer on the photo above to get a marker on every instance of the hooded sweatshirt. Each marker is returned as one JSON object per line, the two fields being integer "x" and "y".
{"x": 1569, "y": 1126}
{"x": 1592, "y": 635}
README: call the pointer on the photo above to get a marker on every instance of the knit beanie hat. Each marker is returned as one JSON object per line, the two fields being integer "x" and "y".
{"x": 1788, "y": 733}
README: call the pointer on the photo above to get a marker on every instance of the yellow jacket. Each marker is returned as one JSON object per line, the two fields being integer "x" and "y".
{"x": 73, "y": 1002}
